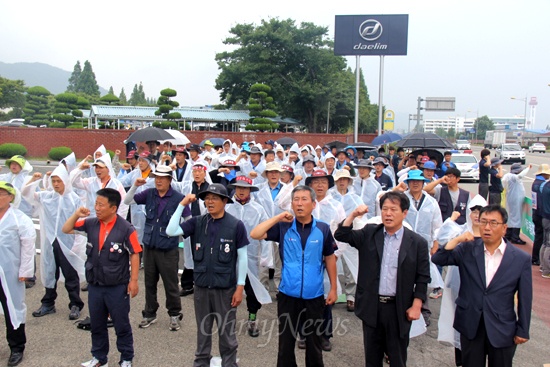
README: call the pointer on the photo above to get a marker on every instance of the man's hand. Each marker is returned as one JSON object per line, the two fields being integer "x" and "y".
{"x": 117, "y": 152}
{"x": 89, "y": 158}
{"x": 165, "y": 158}
{"x": 126, "y": 166}
{"x": 455, "y": 216}
{"x": 320, "y": 164}
{"x": 140, "y": 182}
{"x": 413, "y": 313}
{"x": 224, "y": 170}
{"x": 332, "y": 297}
{"x": 519, "y": 340}
{"x": 133, "y": 288}
{"x": 360, "y": 210}
{"x": 467, "y": 237}
{"x": 401, "y": 187}
{"x": 36, "y": 176}
{"x": 286, "y": 217}
{"x": 253, "y": 174}
{"x": 346, "y": 167}
{"x": 84, "y": 165}
{"x": 237, "y": 296}
{"x": 49, "y": 173}
{"x": 82, "y": 212}
{"x": 188, "y": 199}
{"x": 297, "y": 180}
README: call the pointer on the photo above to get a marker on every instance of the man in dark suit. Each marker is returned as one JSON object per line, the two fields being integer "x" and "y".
{"x": 491, "y": 272}
{"x": 394, "y": 272}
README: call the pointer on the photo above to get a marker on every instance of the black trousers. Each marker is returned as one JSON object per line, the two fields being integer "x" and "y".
{"x": 72, "y": 281}
{"x": 186, "y": 279}
{"x": 114, "y": 301}
{"x": 483, "y": 189}
{"x": 161, "y": 264}
{"x": 384, "y": 338}
{"x": 16, "y": 337}
{"x": 495, "y": 198}
{"x": 539, "y": 237}
{"x": 252, "y": 304}
{"x": 291, "y": 312}
{"x": 476, "y": 351}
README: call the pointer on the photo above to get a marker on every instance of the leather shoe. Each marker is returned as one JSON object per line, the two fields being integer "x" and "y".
{"x": 326, "y": 344}
{"x": 15, "y": 358}
{"x": 351, "y": 306}
{"x": 186, "y": 292}
{"x": 75, "y": 313}
{"x": 301, "y": 342}
{"x": 43, "y": 311}
{"x": 536, "y": 263}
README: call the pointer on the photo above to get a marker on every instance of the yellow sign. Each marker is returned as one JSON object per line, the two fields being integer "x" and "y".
{"x": 389, "y": 119}
{"x": 388, "y": 126}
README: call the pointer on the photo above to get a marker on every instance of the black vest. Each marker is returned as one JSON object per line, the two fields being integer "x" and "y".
{"x": 446, "y": 204}
{"x": 215, "y": 254}
{"x": 154, "y": 231}
{"x": 195, "y": 205}
{"x": 535, "y": 189}
{"x": 108, "y": 267}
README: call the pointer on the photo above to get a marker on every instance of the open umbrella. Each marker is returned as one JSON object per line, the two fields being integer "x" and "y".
{"x": 338, "y": 144}
{"x": 177, "y": 138}
{"x": 149, "y": 134}
{"x": 215, "y": 141}
{"x": 286, "y": 141}
{"x": 386, "y": 138}
{"x": 424, "y": 140}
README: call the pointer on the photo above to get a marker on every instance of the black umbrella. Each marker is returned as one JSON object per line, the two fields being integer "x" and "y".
{"x": 286, "y": 141}
{"x": 150, "y": 134}
{"x": 338, "y": 144}
{"x": 424, "y": 140}
{"x": 431, "y": 153}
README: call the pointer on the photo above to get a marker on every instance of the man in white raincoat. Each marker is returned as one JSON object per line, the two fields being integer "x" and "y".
{"x": 60, "y": 253}
{"x": 251, "y": 214}
{"x": 268, "y": 197}
{"x": 16, "y": 263}
{"x": 515, "y": 195}
{"x": 424, "y": 216}
{"x": 105, "y": 178}
{"x": 18, "y": 176}
{"x": 343, "y": 192}
{"x": 366, "y": 186}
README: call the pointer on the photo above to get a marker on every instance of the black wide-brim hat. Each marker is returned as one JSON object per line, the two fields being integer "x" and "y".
{"x": 217, "y": 189}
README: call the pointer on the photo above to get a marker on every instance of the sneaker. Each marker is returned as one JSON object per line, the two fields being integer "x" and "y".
{"x": 75, "y": 313}
{"x": 29, "y": 283}
{"x": 546, "y": 276}
{"x": 351, "y": 306}
{"x": 253, "y": 329}
{"x": 126, "y": 364}
{"x": 94, "y": 362}
{"x": 326, "y": 344}
{"x": 43, "y": 311}
{"x": 186, "y": 292}
{"x": 436, "y": 293}
{"x": 147, "y": 321}
{"x": 175, "y": 322}
{"x": 301, "y": 342}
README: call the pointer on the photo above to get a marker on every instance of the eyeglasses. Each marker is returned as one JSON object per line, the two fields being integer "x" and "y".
{"x": 492, "y": 223}
{"x": 6, "y": 194}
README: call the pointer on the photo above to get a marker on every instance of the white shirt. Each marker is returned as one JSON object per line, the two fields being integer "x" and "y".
{"x": 492, "y": 262}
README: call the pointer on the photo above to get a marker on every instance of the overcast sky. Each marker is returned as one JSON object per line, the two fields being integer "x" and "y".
{"x": 481, "y": 52}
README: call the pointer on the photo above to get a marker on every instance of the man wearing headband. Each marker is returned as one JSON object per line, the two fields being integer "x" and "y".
{"x": 17, "y": 239}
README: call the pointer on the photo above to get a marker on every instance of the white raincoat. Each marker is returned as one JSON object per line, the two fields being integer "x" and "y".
{"x": 54, "y": 210}
{"x": 19, "y": 181}
{"x": 93, "y": 184}
{"x": 17, "y": 237}
{"x": 427, "y": 220}
{"x": 515, "y": 194}
{"x": 252, "y": 214}
{"x": 137, "y": 212}
{"x": 368, "y": 190}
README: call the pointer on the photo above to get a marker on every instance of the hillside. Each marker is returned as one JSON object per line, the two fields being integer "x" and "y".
{"x": 50, "y": 77}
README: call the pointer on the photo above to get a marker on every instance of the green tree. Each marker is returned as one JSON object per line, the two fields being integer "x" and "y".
{"x": 297, "y": 62}
{"x": 111, "y": 90}
{"x": 110, "y": 99}
{"x": 75, "y": 77}
{"x": 439, "y": 131}
{"x": 482, "y": 125}
{"x": 451, "y": 133}
{"x": 122, "y": 98}
{"x": 137, "y": 98}
{"x": 166, "y": 105}
{"x": 12, "y": 95}
{"x": 37, "y": 106}
{"x": 261, "y": 105}
{"x": 87, "y": 82}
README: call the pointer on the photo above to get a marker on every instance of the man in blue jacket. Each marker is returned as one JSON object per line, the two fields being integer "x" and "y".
{"x": 492, "y": 271}
{"x": 306, "y": 246}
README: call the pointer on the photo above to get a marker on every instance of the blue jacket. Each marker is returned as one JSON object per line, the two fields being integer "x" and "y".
{"x": 303, "y": 270}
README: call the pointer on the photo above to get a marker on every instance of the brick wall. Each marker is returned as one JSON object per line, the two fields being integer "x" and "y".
{"x": 83, "y": 142}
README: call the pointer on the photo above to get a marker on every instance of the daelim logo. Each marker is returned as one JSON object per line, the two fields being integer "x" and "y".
{"x": 370, "y": 30}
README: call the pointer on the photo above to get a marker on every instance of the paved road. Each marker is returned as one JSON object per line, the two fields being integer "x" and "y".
{"x": 55, "y": 341}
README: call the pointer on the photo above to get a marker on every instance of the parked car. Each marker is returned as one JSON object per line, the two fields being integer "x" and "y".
{"x": 511, "y": 152}
{"x": 468, "y": 166}
{"x": 537, "y": 147}
{"x": 463, "y": 145}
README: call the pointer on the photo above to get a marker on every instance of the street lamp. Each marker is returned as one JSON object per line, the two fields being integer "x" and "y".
{"x": 524, "y": 114}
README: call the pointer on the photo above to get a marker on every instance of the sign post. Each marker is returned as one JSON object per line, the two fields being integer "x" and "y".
{"x": 370, "y": 35}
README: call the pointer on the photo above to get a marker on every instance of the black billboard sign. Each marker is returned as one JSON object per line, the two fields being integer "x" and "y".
{"x": 371, "y": 35}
